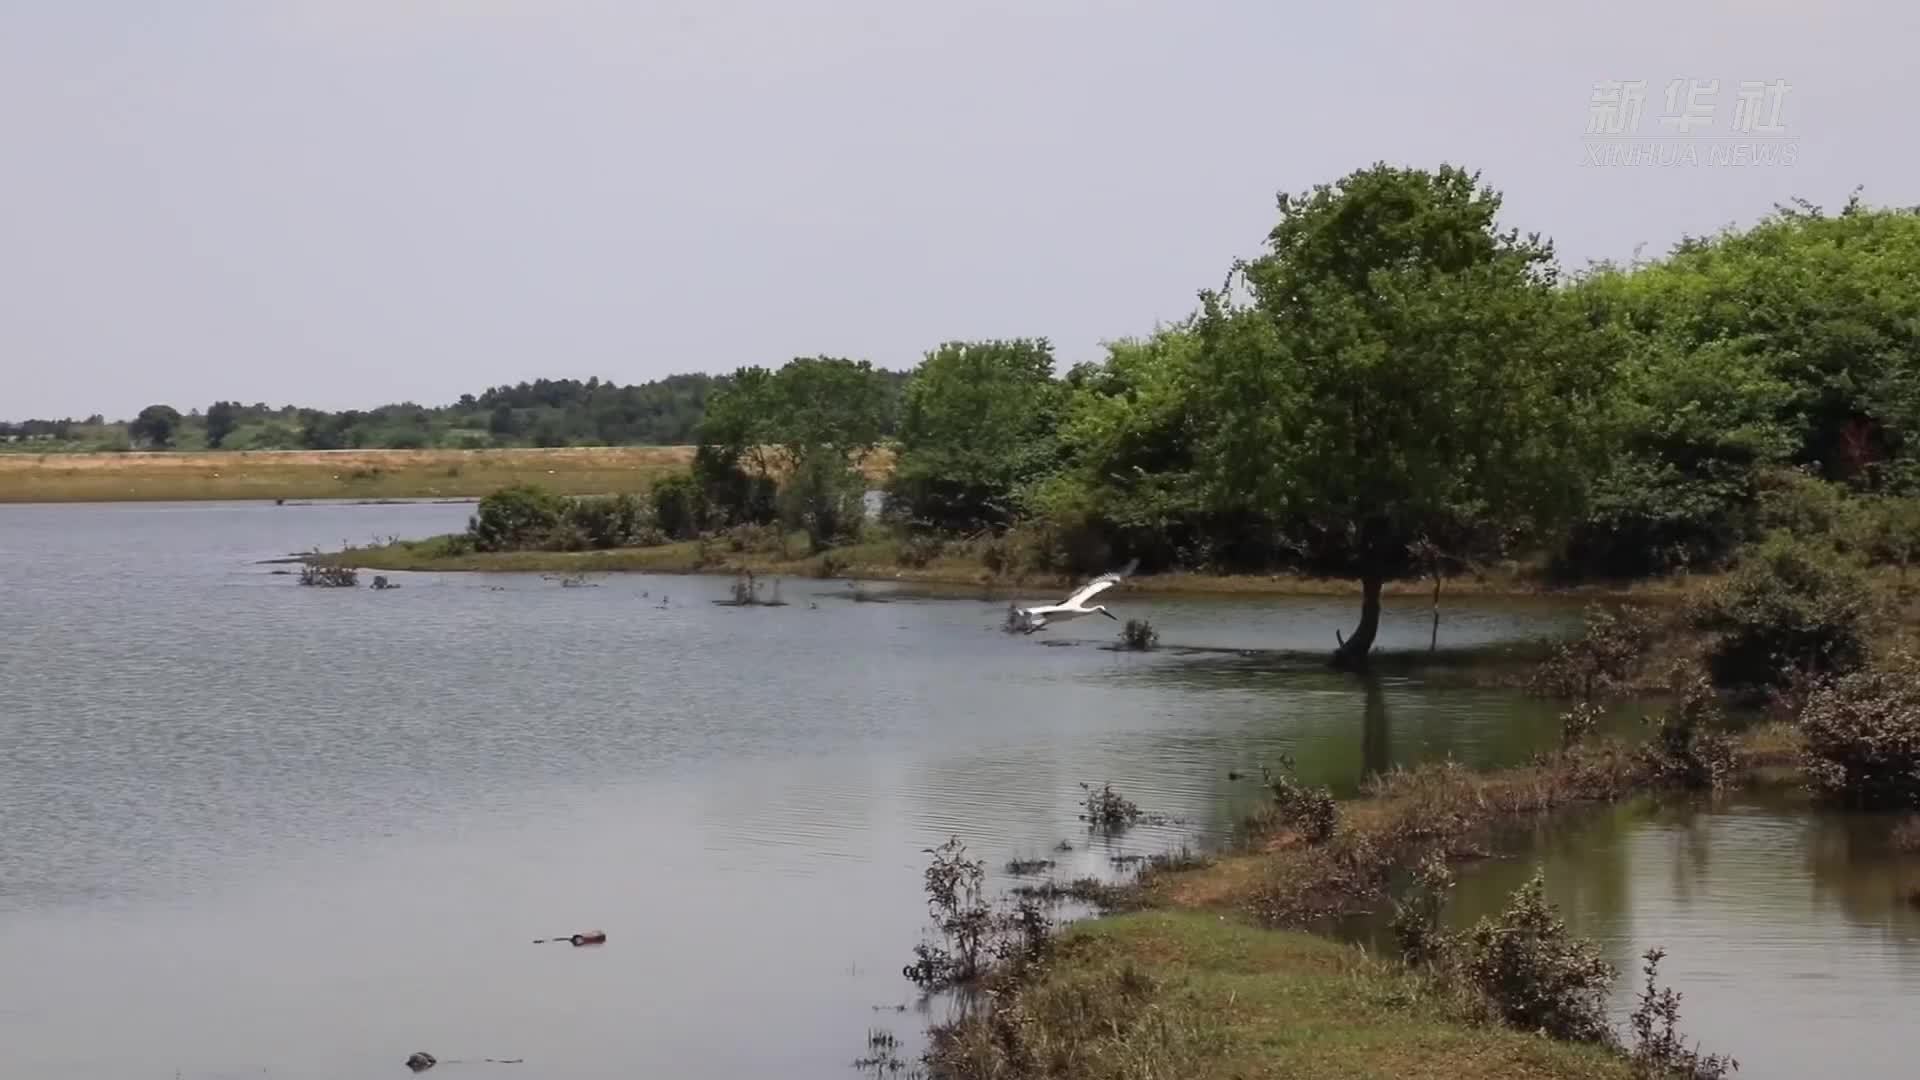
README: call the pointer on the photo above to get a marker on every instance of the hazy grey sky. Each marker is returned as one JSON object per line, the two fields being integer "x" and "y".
{"x": 348, "y": 202}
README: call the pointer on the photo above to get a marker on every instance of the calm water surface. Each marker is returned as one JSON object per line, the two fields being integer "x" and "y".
{"x": 250, "y": 829}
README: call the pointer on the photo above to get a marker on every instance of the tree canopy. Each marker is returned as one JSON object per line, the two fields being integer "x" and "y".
{"x": 1402, "y": 371}
{"x": 978, "y": 421}
{"x": 155, "y": 426}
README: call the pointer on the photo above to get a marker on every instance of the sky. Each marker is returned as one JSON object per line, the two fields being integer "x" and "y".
{"x": 341, "y": 203}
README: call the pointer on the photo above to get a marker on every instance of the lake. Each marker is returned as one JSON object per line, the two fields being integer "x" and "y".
{"x": 249, "y": 829}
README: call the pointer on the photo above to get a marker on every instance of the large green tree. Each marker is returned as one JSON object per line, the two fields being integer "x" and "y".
{"x": 978, "y": 422}
{"x": 1793, "y": 343}
{"x": 222, "y": 418}
{"x": 1129, "y": 432}
{"x": 1823, "y": 306}
{"x": 155, "y": 426}
{"x": 1401, "y": 376}
{"x": 808, "y": 426}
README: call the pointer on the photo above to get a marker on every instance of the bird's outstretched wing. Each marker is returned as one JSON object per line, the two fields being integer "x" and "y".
{"x": 1100, "y": 584}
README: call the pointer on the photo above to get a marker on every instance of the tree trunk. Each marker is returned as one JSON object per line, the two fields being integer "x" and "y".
{"x": 1353, "y": 651}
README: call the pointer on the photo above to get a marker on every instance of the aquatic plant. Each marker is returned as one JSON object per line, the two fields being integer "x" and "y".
{"x": 329, "y": 577}
{"x": 1179, "y": 859}
{"x": 745, "y": 592}
{"x": 882, "y": 1057}
{"x": 1014, "y": 623}
{"x": 1659, "y": 1051}
{"x": 1028, "y": 867}
{"x": 1139, "y": 635}
{"x": 956, "y": 899}
{"x": 972, "y": 932}
{"x": 1105, "y": 808}
{"x": 1095, "y": 893}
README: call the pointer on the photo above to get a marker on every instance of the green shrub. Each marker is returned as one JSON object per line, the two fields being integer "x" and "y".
{"x": 1311, "y": 811}
{"x": 1790, "y": 608}
{"x": 1107, "y": 809}
{"x": 517, "y": 518}
{"x": 825, "y": 497}
{"x": 1416, "y": 915}
{"x": 1536, "y": 975}
{"x": 606, "y": 521}
{"x": 1890, "y": 532}
{"x": 1689, "y": 746}
{"x": 1601, "y": 660}
{"x": 1863, "y": 736}
{"x": 1659, "y": 1050}
{"x": 679, "y": 506}
{"x": 918, "y": 550}
{"x": 1809, "y": 508}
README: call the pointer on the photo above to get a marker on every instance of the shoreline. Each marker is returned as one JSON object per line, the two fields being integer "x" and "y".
{"x": 879, "y": 561}
{"x": 1236, "y": 945}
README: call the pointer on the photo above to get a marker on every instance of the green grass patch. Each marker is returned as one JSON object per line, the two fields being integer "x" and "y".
{"x": 1194, "y": 995}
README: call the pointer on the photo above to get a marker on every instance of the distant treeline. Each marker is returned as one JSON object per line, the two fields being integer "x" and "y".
{"x": 544, "y": 412}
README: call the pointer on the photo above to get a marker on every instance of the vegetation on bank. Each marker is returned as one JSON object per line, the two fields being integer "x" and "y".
{"x": 1215, "y": 971}
{"x": 1845, "y": 728}
{"x": 1395, "y": 389}
{"x": 1189, "y": 994}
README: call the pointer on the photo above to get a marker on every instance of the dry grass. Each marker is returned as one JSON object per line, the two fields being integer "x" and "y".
{"x": 330, "y": 474}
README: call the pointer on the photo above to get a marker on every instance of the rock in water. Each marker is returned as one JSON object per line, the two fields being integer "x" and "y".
{"x": 421, "y": 1061}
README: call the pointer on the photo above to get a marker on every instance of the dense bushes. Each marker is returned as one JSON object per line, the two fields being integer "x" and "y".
{"x": 516, "y": 518}
{"x": 1862, "y": 736}
{"x": 1792, "y": 606}
{"x": 823, "y": 498}
{"x": 532, "y": 518}
{"x": 1603, "y": 659}
{"x": 679, "y": 506}
{"x": 605, "y": 521}
{"x": 1690, "y": 747}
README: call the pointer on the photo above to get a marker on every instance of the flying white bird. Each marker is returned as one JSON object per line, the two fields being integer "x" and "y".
{"x": 1037, "y": 618}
